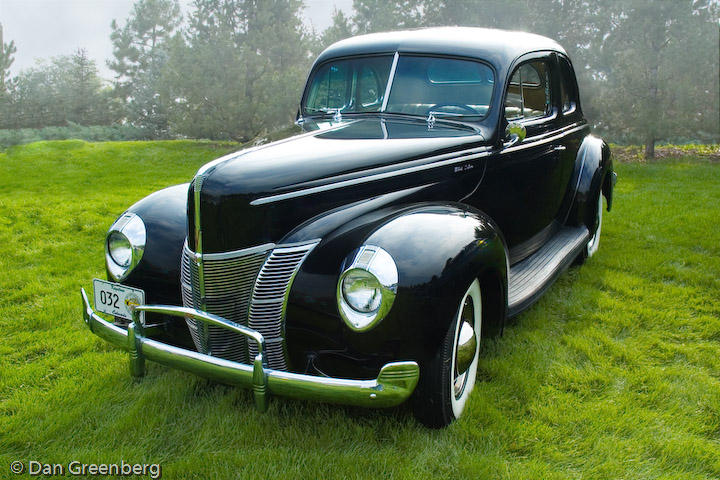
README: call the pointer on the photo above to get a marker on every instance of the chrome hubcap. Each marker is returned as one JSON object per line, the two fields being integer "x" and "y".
{"x": 465, "y": 347}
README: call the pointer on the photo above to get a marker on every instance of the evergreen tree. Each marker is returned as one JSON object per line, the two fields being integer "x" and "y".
{"x": 7, "y": 50}
{"x": 383, "y": 15}
{"x": 140, "y": 52}
{"x": 662, "y": 70}
{"x": 64, "y": 90}
{"x": 239, "y": 70}
{"x": 340, "y": 29}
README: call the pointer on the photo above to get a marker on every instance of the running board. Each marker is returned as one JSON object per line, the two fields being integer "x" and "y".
{"x": 531, "y": 277}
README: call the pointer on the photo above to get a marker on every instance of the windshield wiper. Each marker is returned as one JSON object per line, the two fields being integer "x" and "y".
{"x": 335, "y": 112}
{"x": 434, "y": 117}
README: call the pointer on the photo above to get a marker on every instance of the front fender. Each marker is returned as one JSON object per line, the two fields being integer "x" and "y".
{"x": 165, "y": 216}
{"x": 438, "y": 249}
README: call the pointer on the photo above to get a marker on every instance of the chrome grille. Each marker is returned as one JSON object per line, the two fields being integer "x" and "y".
{"x": 267, "y": 309}
{"x": 229, "y": 279}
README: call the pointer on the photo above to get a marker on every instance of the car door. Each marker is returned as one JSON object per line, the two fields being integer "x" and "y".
{"x": 525, "y": 184}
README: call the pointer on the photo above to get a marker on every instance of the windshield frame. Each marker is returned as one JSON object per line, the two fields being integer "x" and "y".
{"x": 471, "y": 119}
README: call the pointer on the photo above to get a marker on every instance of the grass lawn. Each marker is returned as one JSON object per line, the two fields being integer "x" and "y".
{"x": 614, "y": 374}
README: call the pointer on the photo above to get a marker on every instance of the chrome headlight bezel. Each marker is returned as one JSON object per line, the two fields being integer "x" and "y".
{"x": 380, "y": 265}
{"x": 130, "y": 226}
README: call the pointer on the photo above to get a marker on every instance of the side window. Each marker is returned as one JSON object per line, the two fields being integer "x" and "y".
{"x": 568, "y": 92}
{"x": 529, "y": 91}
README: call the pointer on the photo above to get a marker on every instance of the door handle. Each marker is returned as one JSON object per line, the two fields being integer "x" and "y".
{"x": 559, "y": 148}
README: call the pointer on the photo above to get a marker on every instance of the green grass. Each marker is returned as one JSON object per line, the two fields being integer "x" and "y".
{"x": 614, "y": 374}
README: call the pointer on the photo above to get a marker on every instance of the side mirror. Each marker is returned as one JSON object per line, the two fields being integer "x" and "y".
{"x": 514, "y": 134}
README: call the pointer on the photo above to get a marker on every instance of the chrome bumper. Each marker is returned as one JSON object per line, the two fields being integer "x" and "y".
{"x": 392, "y": 386}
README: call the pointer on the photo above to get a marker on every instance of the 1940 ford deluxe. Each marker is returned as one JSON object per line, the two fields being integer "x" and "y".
{"x": 440, "y": 181}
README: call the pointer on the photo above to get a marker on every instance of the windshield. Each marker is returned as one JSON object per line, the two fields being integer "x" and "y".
{"x": 350, "y": 85}
{"x": 443, "y": 87}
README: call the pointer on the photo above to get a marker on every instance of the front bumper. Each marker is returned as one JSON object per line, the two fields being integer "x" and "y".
{"x": 394, "y": 384}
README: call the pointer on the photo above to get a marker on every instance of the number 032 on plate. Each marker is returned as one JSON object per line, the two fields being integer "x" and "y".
{"x": 115, "y": 299}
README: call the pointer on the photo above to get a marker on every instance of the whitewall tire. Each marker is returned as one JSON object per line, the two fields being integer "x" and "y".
{"x": 594, "y": 242}
{"x": 446, "y": 383}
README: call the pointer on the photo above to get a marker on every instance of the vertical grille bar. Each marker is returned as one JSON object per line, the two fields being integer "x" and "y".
{"x": 228, "y": 282}
{"x": 269, "y": 300}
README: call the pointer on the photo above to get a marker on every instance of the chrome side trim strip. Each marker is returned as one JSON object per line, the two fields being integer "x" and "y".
{"x": 482, "y": 152}
{"x": 545, "y": 138}
{"x": 426, "y": 164}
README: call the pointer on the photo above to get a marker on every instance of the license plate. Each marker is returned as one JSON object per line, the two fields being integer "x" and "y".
{"x": 115, "y": 299}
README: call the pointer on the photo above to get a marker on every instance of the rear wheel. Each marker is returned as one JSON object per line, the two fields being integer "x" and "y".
{"x": 445, "y": 384}
{"x": 594, "y": 243}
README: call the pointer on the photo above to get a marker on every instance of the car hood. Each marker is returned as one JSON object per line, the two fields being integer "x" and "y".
{"x": 244, "y": 194}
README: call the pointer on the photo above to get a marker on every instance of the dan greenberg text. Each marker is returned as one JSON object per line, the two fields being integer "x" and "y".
{"x": 75, "y": 468}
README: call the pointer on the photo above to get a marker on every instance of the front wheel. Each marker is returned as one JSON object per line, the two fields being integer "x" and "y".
{"x": 446, "y": 383}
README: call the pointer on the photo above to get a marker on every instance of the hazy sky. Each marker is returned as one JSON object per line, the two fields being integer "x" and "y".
{"x": 46, "y": 28}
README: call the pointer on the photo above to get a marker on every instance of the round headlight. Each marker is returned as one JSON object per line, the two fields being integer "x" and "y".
{"x": 367, "y": 287}
{"x": 119, "y": 249}
{"x": 362, "y": 290}
{"x": 124, "y": 246}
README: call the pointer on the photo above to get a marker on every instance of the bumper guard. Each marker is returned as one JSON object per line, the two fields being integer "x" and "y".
{"x": 394, "y": 384}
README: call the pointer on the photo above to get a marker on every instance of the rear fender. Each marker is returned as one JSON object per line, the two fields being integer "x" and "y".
{"x": 593, "y": 174}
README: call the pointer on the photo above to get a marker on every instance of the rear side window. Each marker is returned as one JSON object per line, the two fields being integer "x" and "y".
{"x": 529, "y": 92}
{"x": 568, "y": 90}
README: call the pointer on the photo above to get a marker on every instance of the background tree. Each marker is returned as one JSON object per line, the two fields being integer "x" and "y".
{"x": 662, "y": 71}
{"x": 7, "y": 52}
{"x": 140, "y": 52}
{"x": 239, "y": 69}
{"x": 64, "y": 90}
{"x": 647, "y": 71}
{"x": 382, "y": 15}
{"x": 340, "y": 29}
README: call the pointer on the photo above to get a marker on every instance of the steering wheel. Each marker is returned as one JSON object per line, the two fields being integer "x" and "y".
{"x": 465, "y": 108}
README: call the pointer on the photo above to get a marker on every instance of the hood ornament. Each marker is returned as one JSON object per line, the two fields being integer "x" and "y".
{"x": 430, "y": 120}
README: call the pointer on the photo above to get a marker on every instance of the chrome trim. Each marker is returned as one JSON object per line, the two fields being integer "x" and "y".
{"x": 394, "y": 384}
{"x": 227, "y": 287}
{"x": 227, "y": 255}
{"x": 466, "y": 347}
{"x": 132, "y": 227}
{"x": 391, "y": 78}
{"x": 298, "y": 244}
{"x": 380, "y": 264}
{"x": 545, "y": 138}
{"x": 202, "y": 301}
{"x": 515, "y": 132}
{"x": 269, "y": 299}
{"x": 425, "y": 164}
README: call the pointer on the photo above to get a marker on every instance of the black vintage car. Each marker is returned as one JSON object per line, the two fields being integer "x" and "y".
{"x": 440, "y": 182}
